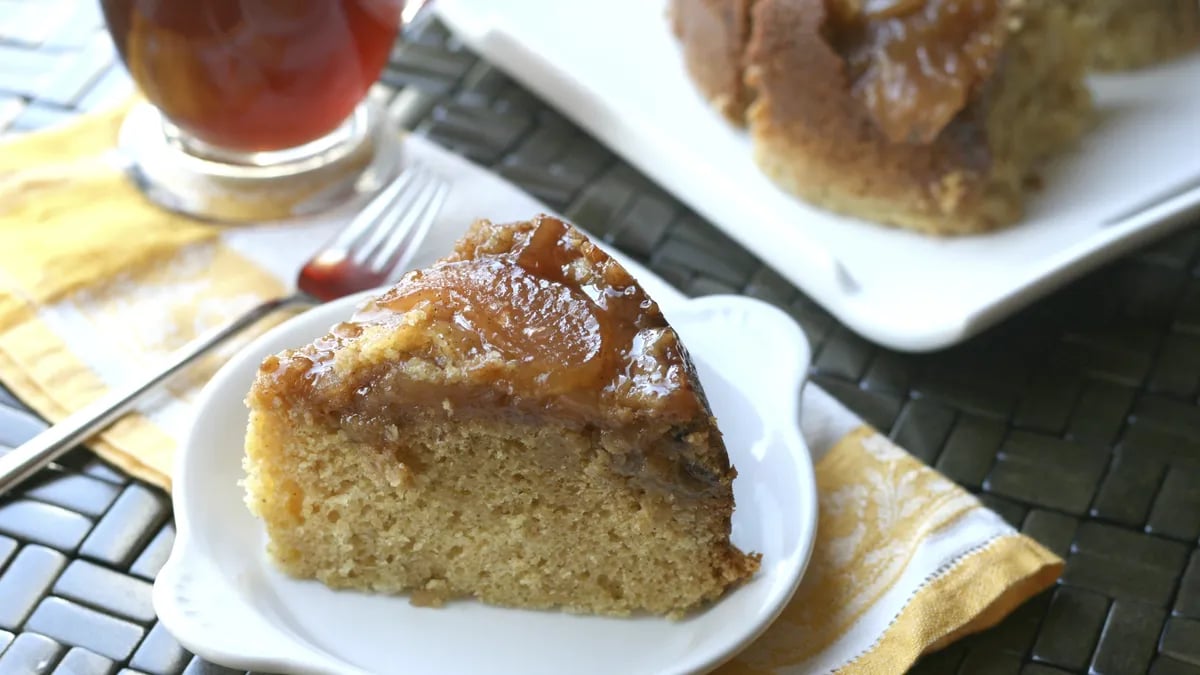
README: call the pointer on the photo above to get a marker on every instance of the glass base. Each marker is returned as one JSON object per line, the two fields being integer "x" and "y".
{"x": 188, "y": 176}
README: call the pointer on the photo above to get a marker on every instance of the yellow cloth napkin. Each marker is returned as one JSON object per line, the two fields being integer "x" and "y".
{"x": 905, "y": 561}
{"x": 95, "y": 284}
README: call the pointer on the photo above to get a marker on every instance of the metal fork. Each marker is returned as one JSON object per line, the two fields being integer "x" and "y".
{"x": 376, "y": 244}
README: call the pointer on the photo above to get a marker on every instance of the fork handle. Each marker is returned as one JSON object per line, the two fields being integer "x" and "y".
{"x": 22, "y": 462}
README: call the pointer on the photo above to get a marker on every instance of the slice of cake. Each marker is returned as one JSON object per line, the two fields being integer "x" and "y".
{"x": 934, "y": 115}
{"x": 517, "y": 423}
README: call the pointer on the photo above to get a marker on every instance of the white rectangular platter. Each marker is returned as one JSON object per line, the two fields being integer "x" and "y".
{"x": 615, "y": 69}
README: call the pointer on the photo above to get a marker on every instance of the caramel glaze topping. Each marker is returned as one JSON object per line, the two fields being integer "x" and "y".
{"x": 525, "y": 321}
{"x": 915, "y": 64}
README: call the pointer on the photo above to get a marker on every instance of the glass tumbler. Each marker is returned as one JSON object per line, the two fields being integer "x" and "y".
{"x": 255, "y": 109}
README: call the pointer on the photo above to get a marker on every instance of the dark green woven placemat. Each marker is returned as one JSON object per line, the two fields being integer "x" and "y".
{"x": 1078, "y": 419}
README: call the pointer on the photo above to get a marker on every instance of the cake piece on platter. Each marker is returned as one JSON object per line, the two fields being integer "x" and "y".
{"x": 933, "y": 115}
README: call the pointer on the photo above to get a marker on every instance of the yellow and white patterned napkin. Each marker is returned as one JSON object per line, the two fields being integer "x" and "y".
{"x": 96, "y": 284}
{"x": 905, "y": 561}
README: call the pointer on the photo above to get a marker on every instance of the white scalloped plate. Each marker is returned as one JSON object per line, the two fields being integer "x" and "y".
{"x": 221, "y": 598}
{"x": 616, "y": 70}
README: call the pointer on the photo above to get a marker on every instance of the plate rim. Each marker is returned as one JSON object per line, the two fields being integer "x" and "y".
{"x": 189, "y": 629}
